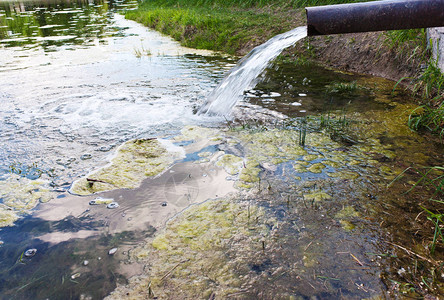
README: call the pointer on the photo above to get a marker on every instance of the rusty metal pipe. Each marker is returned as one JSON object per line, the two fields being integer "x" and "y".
{"x": 374, "y": 16}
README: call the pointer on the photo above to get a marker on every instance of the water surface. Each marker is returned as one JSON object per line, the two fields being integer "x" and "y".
{"x": 78, "y": 80}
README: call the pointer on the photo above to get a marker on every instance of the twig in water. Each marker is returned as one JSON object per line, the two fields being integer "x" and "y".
{"x": 237, "y": 293}
{"x": 415, "y": 254}
{"x": 150, "y": 290}
{"x": 23, "y": 286}
{"x": 308, "y": 246}
{"x": 357, "y": 260}
{"x": 92, "y": 181}
{"x": 169, "y": 272}
{"x": 361, "y": 287}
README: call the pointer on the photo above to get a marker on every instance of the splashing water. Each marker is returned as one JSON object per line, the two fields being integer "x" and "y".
{"x": 245, "y": 74}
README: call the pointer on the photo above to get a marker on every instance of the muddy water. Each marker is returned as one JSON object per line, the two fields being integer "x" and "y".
{"x": 287, "y": 200}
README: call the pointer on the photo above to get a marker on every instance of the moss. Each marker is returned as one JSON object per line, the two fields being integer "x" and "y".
{"x": 134, "y": 161}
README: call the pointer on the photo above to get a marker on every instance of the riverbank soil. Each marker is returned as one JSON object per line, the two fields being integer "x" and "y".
{"x": 364, "y": 53}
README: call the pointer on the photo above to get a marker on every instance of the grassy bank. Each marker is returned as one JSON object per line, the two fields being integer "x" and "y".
{"x": 235, "y": 27}
{"x": 212, "y": 25}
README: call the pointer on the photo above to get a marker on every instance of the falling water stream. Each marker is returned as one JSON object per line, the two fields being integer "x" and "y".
{"x": 246, "y": 74}
{"x": 276, "y": 192}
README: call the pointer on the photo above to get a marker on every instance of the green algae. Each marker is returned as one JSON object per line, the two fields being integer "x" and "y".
{"x": 203, "y": 226}
{"x": 275, "y": 143}
{"x": 344, "y": 175}
{"x": 134, "y": 161}
{"x": 371, "y": 155}
{"x": 316, "y": 168}
{"x": 232, "y": 164}
{"x": 195, "y": 133}
{"x": 299, "y": 168}
{"x": 7, "y": 216}
{"x": 99, "y": 201}
{"x": 347, "y": 212}
{"x": 317, "y": 196}
{"x": 347, "y": 225}
{"x": 310, "y": 157}
{"x": 331, "y": 163}
{"x": 250, "y": 173}
{"x": 205, "y": 154}
{"x": 19, "y": 196}
{"x": 189, "y": 258}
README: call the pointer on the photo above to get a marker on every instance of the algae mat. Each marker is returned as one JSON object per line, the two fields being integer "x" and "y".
{"x": 134, "y": 161}
{"x": 19, "y": 196}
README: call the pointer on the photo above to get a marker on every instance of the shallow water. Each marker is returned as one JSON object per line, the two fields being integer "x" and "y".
{"x": 68, "y": 103}
{"x": 288, "y": 221}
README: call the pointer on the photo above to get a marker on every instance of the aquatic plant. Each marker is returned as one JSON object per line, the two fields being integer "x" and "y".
{"x": 438, "y": 220}
{"x": 302, "y": 131}
{"x": 142, "y": 52}
{"x": 431, "y": 177}
{"x": 33, "y": 171}
{"x": 342, "y": 87}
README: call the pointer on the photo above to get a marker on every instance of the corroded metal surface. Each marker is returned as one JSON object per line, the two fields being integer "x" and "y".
{"x": 374, "y": 16}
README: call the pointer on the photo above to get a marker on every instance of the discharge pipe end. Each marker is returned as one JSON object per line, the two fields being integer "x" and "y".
{"x": 374, "y": 16}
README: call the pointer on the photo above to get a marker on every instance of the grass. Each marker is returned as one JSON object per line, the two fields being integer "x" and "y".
{"x": 246, "y": 3}
{"x": 428, "y": 118}
{"x": 227, "y": 26}
{"x": 142, "y": 52}
{"x": 428, "y": 85}
{"x": 431, "y": 83}
{"x": 403, "y": 41}
{"x": 432, "y": 177}
{"x": 206, "y": 28}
